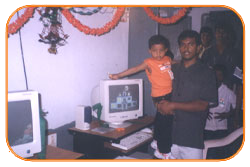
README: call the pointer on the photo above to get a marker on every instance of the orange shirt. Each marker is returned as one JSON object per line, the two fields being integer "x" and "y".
{"x": 160, "y": 75}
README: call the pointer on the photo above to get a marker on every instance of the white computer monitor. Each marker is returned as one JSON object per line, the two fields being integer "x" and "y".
{"x": 23, "y": 115}
{"x": 121, "y": 100}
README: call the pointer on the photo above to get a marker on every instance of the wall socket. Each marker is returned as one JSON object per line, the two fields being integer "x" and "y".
{"x": 52, "y": 139}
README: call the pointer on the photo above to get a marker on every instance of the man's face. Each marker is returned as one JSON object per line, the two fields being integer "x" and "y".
{"x": 188, "y": 49}
{"x": 205, "y": 39}
{"x": 220, "y": 34}
{"x": 219, "y": 77}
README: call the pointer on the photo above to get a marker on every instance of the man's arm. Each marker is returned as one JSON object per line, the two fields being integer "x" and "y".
{"x": 166, "y": 107}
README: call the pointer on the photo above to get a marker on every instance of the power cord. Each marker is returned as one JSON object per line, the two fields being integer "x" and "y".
{"x": 24, "y": 68}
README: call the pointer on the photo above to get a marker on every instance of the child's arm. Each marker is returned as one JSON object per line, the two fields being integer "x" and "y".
{"x": 129, "y": 71}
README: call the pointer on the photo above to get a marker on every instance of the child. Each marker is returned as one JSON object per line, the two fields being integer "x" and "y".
{"x": 158, "y": 70}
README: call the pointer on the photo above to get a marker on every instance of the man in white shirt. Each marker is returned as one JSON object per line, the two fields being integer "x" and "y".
{"x": 217, "y": 124}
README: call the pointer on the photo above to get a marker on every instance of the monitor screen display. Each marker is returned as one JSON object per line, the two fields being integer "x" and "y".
{"x": 123, "y": 98}
{"x": 120, "y": 100}
{"x": 20, "y": 127}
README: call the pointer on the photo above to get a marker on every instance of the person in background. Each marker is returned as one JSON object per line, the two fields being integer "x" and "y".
{"x": 159, "y": 73}
{"x": 217, "y": 124}
{"x": 224, "y": 52}
{"x": 206, "y": 35}
{"x": 194, "y": 91}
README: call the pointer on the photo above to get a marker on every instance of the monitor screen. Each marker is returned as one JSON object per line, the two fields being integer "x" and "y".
{"x": 20, "y": 122}
{"x": 123, "y": 98}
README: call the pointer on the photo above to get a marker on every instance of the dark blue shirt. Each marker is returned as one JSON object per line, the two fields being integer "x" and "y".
{"x": 230, "y": 58}
{"x": 196, "y": 82}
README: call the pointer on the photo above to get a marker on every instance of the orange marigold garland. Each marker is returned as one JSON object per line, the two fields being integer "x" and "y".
{"x": 16, "y": 25}
{"x": 170, "y": 20}
{"x": 94, "y": 31}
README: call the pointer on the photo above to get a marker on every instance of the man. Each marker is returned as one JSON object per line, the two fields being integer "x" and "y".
{"x": 223, "y": 52}
{"x": 194, "y": 90}
{"x": 206, "y": 35}
{"x": 217, "y": 121}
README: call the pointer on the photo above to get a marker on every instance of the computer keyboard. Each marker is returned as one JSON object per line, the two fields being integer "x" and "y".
{"x": 132, "y": 140}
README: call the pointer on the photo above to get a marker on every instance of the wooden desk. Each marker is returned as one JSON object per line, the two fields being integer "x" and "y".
{"x": 96, "y": 145}
{"x": 59, "y": 153}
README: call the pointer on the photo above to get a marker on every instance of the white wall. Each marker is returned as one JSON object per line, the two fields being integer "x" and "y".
{"x": 196, "y": 14}
{"x": 65, "y": 80}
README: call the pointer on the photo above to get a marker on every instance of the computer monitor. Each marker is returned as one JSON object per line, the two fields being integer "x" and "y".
{"x": 121, "y": 100}
{"x": 24, "y": 136}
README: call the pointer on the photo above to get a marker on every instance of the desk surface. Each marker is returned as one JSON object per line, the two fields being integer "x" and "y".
{"x": 59, "y": 153}
{"x": 137, "y": 124}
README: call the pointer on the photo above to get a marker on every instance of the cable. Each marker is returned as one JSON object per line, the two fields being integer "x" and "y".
{"x": 24, "y": 68}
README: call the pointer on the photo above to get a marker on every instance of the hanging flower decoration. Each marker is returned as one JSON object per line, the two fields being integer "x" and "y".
{"x": 170, "y": 20}
{"x": 16, "y": 25}
{"x": 94, "y": 31}
{"x": 85, "y": 10}
{"x": 52, "y": 33}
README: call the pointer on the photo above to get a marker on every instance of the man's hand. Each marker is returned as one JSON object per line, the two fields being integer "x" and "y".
{"x": 209, "y": 117}
{"x": 222, "y": 116}
{"x": 165, "y": 107}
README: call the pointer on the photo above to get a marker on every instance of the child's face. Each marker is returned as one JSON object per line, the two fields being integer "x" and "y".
{"x": 158, "y": 51}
